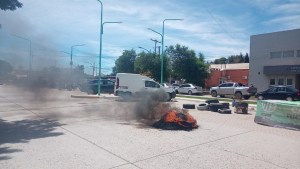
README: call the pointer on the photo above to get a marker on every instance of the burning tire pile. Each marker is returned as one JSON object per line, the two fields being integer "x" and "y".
{"x": 176, "y": 120}
{"x": 150, "y": 110}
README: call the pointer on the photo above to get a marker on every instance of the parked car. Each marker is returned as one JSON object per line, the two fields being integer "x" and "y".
{"x": 128, "y": 84}
{"x": 280, "y": 93}
{"x": 175, "y": 87}
{"x": 166, "y": 85}
{"x": 91, "y": 86}
{"x": 189, "y": 89}
{"x": 232, "y": 88}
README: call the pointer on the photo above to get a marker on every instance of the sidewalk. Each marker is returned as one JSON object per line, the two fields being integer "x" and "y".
{"x": 79, "y": 94}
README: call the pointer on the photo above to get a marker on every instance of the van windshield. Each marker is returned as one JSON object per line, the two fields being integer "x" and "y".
{"x": 151, "y": 84}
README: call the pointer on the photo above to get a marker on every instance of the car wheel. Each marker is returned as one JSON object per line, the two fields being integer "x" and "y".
{"x": 238, "y": 95}
{"x": 214, "y": 94}
{"x": 289, "y": 98}
{"x": 169, "y": 97}
{"x": 222, "y": 96}
{"x": 190, "y": 92}
{"x": 260, "y": 98}
{"x": 176, "y": 91}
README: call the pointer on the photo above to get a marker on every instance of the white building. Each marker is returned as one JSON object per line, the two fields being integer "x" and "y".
{"x": 275, "y": 59}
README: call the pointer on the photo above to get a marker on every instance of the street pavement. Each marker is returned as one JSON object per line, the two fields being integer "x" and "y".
{"x": 43, "y": 128}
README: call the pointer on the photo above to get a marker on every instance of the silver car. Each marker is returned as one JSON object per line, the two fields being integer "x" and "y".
{"x": 189, "y": 89}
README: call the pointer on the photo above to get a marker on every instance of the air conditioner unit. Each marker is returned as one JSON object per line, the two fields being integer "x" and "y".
{"x": 244, "y": 77}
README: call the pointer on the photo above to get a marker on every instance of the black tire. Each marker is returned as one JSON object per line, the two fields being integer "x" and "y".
{"x": 214, "y": 93}
{"x": 215, "y": 106}
{"x": 222, "y": 96}
{"x": 188, "y": 106}
{"x": 202, "y": 106}
{"x": 225, "y": 105}
{"x": 190, "y": 92}
{"x": 246, "y": 97}
{"x": 169, "y": 97}
{"x": 238, "y": 95}
{"x": 224, "y": 111}
{"x": 212, "y": 101}
{"x": 241, "y": 108}
{"x": 176, "y": 91}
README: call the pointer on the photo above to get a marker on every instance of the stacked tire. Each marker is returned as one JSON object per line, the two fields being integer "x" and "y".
{"x": 214, "y": 107}
{"x": 202, "y": 106}
{"x": 188, "y": 106}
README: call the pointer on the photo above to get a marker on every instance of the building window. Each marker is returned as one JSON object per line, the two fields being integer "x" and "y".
{"x": 289, "y": 81}
{"x": 280, "y": 81}
{"x": 288, "y": 54}
{"x": 275, "y": 55}
{"x": 272, "y": 81}
{"x": 298, "y": 53}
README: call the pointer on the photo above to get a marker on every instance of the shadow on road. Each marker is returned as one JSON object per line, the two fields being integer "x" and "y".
{"x": 23, "y": 131}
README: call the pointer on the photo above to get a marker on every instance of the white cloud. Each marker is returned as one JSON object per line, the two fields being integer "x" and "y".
{"x": 214, "y": 28}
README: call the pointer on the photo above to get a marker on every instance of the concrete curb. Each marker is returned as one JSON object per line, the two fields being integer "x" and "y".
{"x": 85, "y": 96}
{"x": 95, "y": 96}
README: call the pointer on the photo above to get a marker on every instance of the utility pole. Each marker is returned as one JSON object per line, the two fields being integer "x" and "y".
{"x": 155, "y": 41}
{"x": 159, "y": 49}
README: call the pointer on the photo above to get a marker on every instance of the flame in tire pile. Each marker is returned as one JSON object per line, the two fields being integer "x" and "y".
{"x": 176, "y": 120}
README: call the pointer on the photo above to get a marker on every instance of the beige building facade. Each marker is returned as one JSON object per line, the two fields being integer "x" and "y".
{"x": 275, "y": 59}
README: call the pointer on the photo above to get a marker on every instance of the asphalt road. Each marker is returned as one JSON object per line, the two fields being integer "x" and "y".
{"x": 50, "y": 129}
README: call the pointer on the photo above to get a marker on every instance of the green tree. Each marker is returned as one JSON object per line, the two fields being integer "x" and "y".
{"x": 222, "y": 60}
{"x": 125, "y": 63}
{"x": 149, "y": 64}
{"x": 187, "y": 66}
{"x": 246, "y": 58}
{"x": 201, "y": 56}
{"x": 10, "y": 5}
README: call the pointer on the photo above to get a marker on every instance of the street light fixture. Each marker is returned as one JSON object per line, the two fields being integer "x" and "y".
{"x": 156, "y": 32}
{"x": 162, "y": 48}
{"x": 144, "y": 49}
{"x": 100, "y": 48}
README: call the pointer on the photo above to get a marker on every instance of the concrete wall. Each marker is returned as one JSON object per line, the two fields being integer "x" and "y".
{"x": 260, "y": 48}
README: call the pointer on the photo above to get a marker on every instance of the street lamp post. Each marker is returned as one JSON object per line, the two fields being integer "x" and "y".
{"x": 162, "y": 48}
{"x": 100, "y": 48}
{"x": 156, "y": 32}
{"x": 30, "y": 57}
{"x": 144, "y": 49}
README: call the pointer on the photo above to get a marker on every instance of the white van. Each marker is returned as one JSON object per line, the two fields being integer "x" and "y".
{"x": 128, "y": 84}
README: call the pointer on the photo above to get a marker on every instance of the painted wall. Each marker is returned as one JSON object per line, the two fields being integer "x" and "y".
{"x": 238, "y": 75}
{"x": 260, "y": 48}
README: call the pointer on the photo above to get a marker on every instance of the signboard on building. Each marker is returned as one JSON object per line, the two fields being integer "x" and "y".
{"x": 280, "y": 70}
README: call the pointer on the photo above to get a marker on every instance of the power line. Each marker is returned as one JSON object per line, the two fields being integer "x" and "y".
{"x": 218, "y": 23}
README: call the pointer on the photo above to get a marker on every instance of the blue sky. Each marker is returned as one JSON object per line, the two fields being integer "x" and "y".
{"x": 214, "y": 27}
